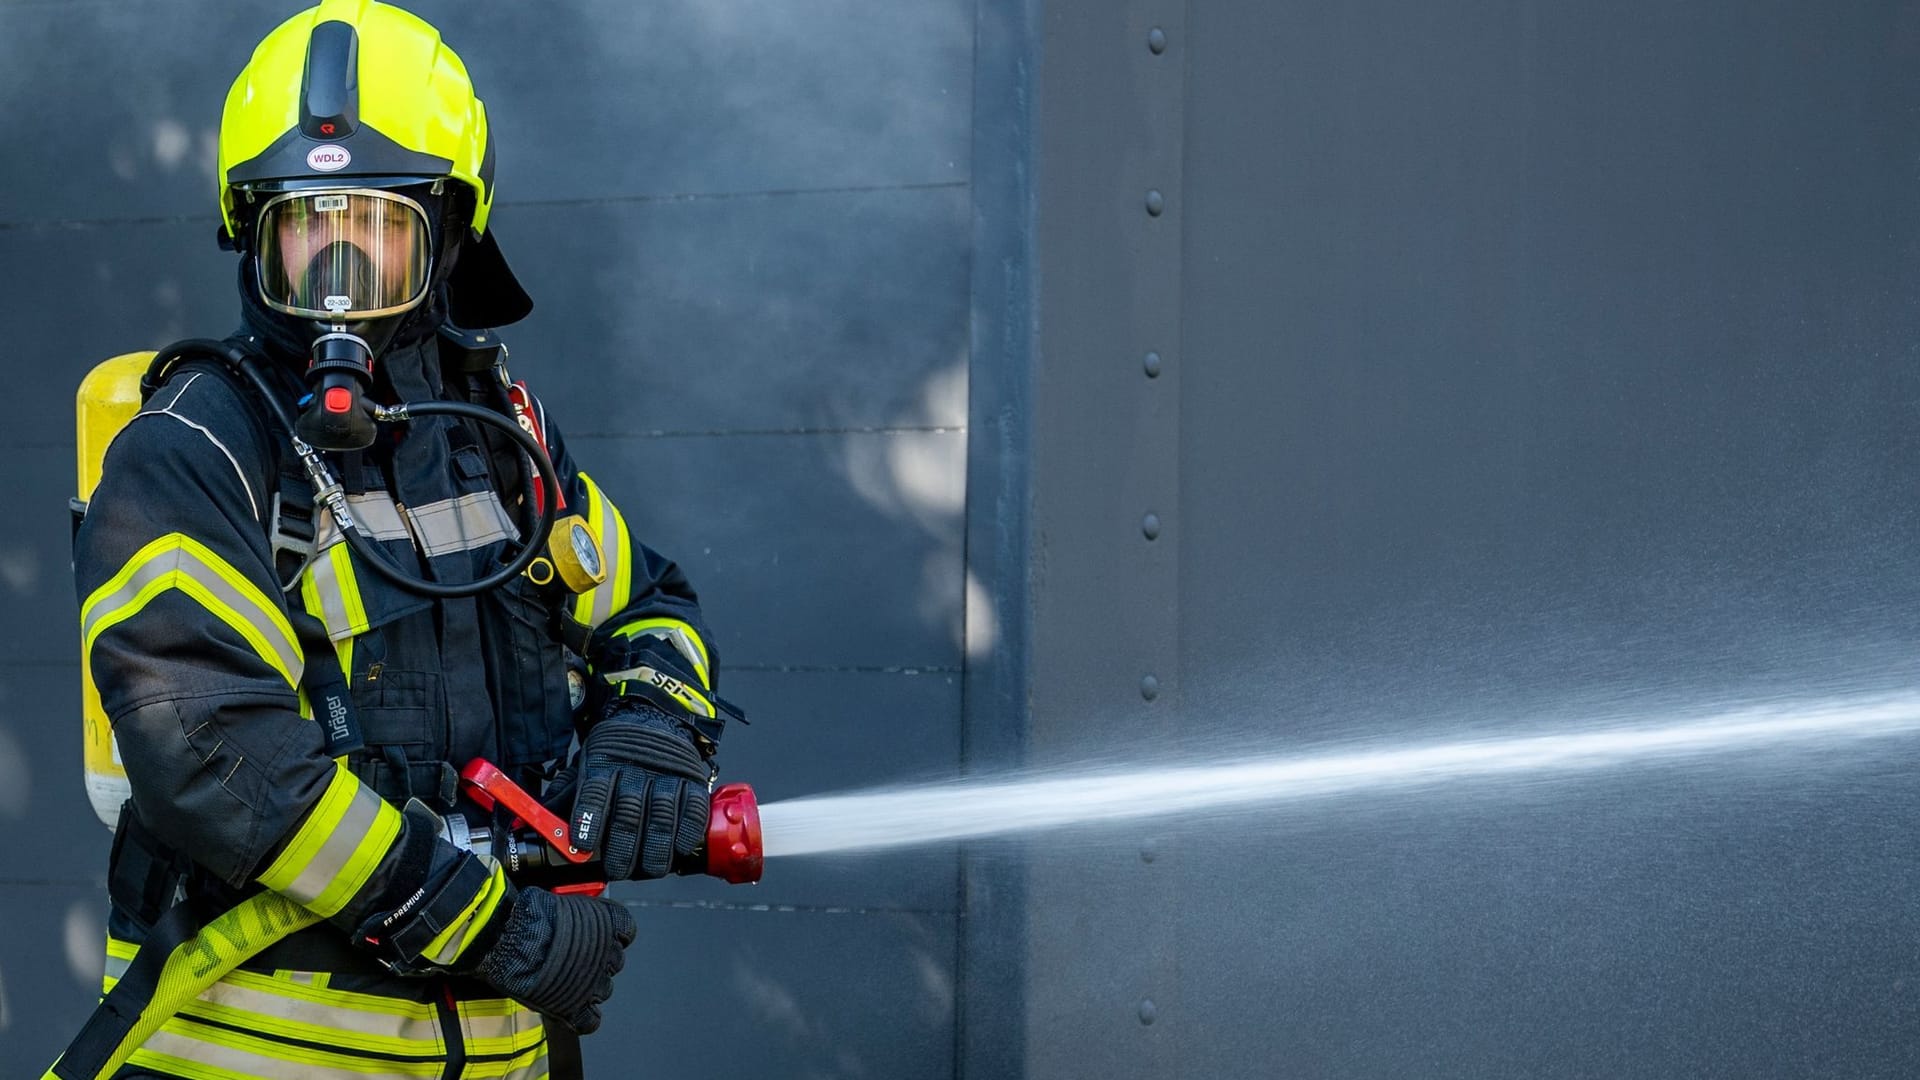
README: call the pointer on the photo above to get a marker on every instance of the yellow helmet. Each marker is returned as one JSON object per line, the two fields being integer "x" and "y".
{"x": 361, "y": 98}
{"x": 354, "y": 88}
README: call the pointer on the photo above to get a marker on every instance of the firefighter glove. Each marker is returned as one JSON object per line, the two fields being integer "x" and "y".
{"x": 641, "y": 800}
{"x": 558, "y": 955}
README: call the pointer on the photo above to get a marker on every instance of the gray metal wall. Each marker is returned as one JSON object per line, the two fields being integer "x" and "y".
{"x": 1518, "y": 362}
{"x": 1484, "y": 367}
{"x": 748, "y": 229}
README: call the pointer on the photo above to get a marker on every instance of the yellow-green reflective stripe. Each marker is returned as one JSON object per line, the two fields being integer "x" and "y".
{"x": 297, "y": 1004}
{"x": 531, "y": 1065}
{"x": 331, "y": 590}
{"x": 678, "y": 634}
{"x": 337, "y": 848}
{"x": 260, "y": 1003}
{"x": 184, "y": 1048}
{"x": 598, "y": 604}
{"x": 499, "y": 1026}
{"x": 177, "y": 561}
{"x": 284, "y": 1001}
{"x": 447, "y": 946}
{"x": 201, "y": 960}
{"x": 119, "y": 958}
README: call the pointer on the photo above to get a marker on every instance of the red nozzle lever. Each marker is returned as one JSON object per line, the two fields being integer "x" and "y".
{"x": 487, "y": 785}
{"x": 733, "y": 852}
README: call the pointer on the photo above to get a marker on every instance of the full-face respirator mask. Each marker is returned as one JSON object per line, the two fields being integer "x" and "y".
{"x": 351, "y": 263}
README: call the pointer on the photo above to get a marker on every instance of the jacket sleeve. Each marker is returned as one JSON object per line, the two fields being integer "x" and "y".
{"x": 642, "y": 626}
{"x": 188, "y": 637}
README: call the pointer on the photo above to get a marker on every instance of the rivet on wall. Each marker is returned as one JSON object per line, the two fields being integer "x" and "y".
{"x": 1156, "y": 202}
{"x": 1152, "y": 365}
{"x": 1150, "y": 526}
{"x": 1157, "y": 40}
{"x": 1149, "y": 687}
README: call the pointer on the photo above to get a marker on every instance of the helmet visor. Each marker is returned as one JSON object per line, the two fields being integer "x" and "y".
{"x": 343, "y": 255}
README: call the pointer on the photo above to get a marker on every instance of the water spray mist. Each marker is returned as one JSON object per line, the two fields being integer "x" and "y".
{"x": 975, "y": 808}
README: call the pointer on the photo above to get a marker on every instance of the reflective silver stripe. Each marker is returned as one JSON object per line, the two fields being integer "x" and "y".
{"x": 613, "y": 553}
{"x": 377, "y": 515}
{"x": 374, "y": 512}
{"x": 116, "y": 968}
{"x": 462, "y": 524}
{"x": 500, "y": 1028}
{"x": 438, "y": 528}
{"x": 179, "y": 557}
{"x": 338, "y": 849}
{"x": 327, "y": 1018}
{"x": 256, "y": 1057}
{"x": 678, "y": 635}
{"x": 503, "y": 1028}
{"x": 692, "y": 698}
{"x": 325, "y": 579}
{"x": 537, "y": 1070}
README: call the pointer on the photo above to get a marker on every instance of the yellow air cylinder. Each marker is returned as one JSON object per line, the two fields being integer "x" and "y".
{"x": 108, "y": 398}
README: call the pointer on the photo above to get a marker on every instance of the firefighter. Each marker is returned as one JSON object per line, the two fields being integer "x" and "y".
{"x": 220, "y": 603}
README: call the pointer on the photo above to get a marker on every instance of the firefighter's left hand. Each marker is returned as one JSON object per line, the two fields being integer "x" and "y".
{"x": 641, "y": 796}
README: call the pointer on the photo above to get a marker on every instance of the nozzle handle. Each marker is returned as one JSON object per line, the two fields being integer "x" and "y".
{"x": 732, "y": 853}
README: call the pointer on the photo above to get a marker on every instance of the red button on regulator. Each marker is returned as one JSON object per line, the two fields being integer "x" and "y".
{"x": 339, "y": 399}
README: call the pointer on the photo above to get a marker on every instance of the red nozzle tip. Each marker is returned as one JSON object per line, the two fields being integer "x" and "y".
{"x": 733, "y": 836}
{"x": 339, "y": 399}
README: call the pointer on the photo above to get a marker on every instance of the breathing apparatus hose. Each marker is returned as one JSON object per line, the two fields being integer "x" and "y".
{"x": 327, "y": 490}
{"x": 529, "y": 551}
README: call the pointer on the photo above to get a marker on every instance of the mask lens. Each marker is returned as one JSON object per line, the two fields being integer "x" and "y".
{"x": 343, "y": 255}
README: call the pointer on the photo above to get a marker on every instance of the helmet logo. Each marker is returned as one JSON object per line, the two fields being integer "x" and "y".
{"x": 328, "y": 158}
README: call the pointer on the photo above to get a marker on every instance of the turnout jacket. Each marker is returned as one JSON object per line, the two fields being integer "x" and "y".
{"x": 189, "y": 625}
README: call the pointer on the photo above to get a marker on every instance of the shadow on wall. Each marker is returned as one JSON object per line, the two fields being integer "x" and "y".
{"x": 827, "y": 1038}
{"x": 917, "y": 479}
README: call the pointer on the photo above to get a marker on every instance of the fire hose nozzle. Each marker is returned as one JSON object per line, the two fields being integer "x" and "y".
{"x": 734, "y": 852}
{"x": 538, "y": 846}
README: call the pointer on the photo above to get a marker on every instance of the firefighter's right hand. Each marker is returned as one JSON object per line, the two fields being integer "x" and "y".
{"x": 641, "y": 799}
{"x": 558, "y": 954}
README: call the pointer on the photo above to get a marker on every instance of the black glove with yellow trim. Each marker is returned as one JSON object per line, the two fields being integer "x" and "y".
{"x": 639, "y": 790}
{"x": 451, "y": 911}
{"x": 557, "y": 955}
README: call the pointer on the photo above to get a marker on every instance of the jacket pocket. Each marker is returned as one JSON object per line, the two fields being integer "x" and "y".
{"x": 527, "y": 675}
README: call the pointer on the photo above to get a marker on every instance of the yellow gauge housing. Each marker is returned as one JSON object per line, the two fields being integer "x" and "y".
{"x": 576, "y": 554}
